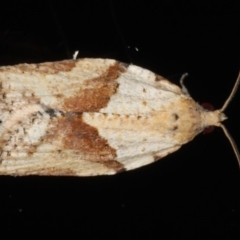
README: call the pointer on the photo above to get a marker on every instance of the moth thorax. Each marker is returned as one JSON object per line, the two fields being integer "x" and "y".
{"x": 212, "y": 118}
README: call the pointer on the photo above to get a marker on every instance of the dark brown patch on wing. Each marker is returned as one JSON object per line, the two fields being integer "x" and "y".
{"x": 76, "y": 135}
{"x": 117, "y": 166}
{"x": 56, "y": 67}
{"x": 159, "y": 78}
{"x": 97, "y": 92}
{"x": 52, "y": 171}
{"x": 42, "y": 68}
{"x": 43, "y": 171}
{"x": 156, "y": 158}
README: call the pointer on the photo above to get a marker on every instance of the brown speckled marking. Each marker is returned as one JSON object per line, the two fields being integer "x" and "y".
{"x": 156, "y": 158}
{"x": 10, "y": 136}
{"x": 122, "y": 170}
{"x": 117, "y": 166}
{"x": 76, "y": 135}
{"x": 42, "y": 68}
{"x": 32, "y": 149}
{"x": 98, "y": 92}
{"x": 53, "y": 171}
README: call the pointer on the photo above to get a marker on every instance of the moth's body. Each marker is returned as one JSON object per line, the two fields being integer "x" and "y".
{"x": 91, "y": 117}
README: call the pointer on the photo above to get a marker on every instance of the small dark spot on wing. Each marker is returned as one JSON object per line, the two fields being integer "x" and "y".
{"x": 175, "y": 128}
{"x": 176, "y": 117}
{"x": 51, "y": 112}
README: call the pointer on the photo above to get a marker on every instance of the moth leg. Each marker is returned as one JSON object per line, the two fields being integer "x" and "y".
{"x": 184, "y": 89}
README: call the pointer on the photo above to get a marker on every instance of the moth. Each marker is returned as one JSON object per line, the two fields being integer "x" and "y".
{"x": 86, "y": 117}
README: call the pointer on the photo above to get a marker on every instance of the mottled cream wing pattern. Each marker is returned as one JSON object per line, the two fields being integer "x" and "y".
{"x": 90, "y": 117}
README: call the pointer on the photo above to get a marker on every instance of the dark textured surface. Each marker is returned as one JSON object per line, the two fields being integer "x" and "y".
{"x": 192, "y": 193}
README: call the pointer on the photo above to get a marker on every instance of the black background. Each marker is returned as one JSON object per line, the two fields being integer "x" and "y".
{"x": 191, "y": 193}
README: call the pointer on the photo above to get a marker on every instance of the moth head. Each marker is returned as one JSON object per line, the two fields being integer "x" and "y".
{"x": 211, "y": 118}
{"x": 222, "y": 117}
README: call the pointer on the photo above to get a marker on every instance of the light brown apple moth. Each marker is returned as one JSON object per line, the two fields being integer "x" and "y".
{"x": 89, "y": 117}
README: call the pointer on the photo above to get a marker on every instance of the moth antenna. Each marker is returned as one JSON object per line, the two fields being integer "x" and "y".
{"x": 227, "y": 134}
{"x": 231, "y": 94}
{"x": 234, "y": 146}
{"x": 184, "y": 89}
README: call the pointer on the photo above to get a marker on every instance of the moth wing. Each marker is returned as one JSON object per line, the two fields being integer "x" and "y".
{"x": 73, "y": 165}
{"x": 84, "y": 85}
{"x": 148, "y": 77}
{"x": 139, "y": 161}
{"x": 43, "y": 130}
